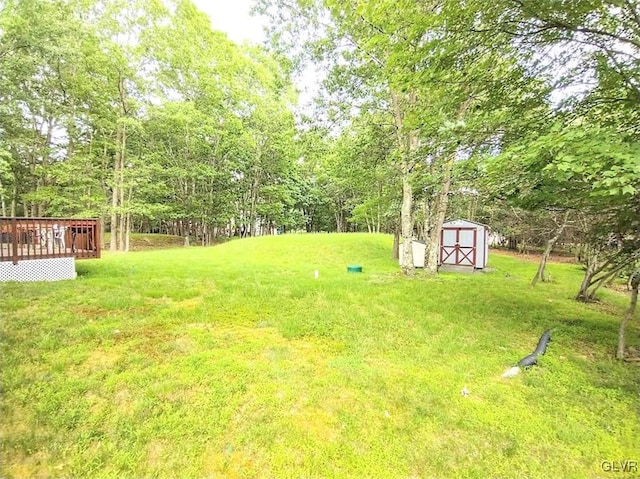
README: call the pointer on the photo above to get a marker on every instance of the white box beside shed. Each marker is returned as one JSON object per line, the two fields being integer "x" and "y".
{"x": 419, "y": 248}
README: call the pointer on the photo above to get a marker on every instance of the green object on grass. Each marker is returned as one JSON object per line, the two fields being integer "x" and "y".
{"x": 354, "y": 268}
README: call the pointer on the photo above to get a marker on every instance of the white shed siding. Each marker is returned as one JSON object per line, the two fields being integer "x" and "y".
{"x": 464, "y": 243}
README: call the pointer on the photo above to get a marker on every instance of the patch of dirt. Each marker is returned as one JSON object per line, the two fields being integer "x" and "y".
{"x": 148, "y": 242}
{"x": 91, "y": 312}
{"x": 191, "y": 303}
{"x": 618, "y": 288}
{"x": 124, "y": 400}
{"x": 143, "y": 242}
{"x": 36, "y": 464}
{"x": 99, "y": 360}
{"x": 535, "y": 258}
{"x": 316, "y": 423}
{"x": 632, "y": 355}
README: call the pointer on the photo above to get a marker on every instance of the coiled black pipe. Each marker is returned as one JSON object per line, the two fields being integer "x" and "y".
{"x": 532, "y": 358}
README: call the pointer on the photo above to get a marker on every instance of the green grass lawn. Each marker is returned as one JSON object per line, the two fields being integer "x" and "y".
{"x": 234, "y": 361}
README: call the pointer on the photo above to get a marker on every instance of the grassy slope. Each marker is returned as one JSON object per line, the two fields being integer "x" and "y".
{"x": 234, "y": 361}
{"x": 143, "y": 241}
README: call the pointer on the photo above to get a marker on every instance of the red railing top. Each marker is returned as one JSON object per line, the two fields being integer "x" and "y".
{"x": 47, "y": 219}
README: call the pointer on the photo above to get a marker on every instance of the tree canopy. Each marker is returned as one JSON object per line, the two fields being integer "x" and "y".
{"x": 513, "y": 112}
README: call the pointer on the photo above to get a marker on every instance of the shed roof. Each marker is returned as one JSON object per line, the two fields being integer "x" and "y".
{"x": 456, "y": 222}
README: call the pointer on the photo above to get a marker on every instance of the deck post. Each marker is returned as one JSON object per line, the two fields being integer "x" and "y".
{"x": 96, "y": 238}
{"x": 14, "y": 235}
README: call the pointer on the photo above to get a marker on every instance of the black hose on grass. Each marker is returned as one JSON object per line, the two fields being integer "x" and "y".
{"x": 532, "y": 358}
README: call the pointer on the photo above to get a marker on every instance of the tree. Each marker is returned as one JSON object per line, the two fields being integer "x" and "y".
{"x": 45, "y": 94}
{"x": 420, "y": 66}
{"x": 635, "y": 284}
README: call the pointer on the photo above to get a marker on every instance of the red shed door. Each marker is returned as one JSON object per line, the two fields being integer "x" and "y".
{"x": 458, "y": 246}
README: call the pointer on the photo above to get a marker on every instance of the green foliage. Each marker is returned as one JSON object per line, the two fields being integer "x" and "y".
{"x": 141, "y": 106}
{"x": 577, "y": 165}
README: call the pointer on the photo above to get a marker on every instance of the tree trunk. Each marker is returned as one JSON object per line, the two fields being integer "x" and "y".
{"x": 127, "y": 232}
{"x": 408, "y": 145}
{"x": 121, "y": 215}
{"x": 396, "y": 246}
{"x": 592, "y": 259}
{"x": 635, "y": 283}
{"x": 118, "y": 218}
{"x": 127, "y": 223}
{"x": 253, "y": 219}
{"x": 406, "y": 221}
{"x": 102, "y": 232}
{"x": 3, "y": 204}
{"x": 378, "y": 213}
{"x": 599, "y": 273}
{"x": 115, "y": 190}
{"x": 597, "y": 283}
{"x": 442, "y": 202}
{"x": 545, "y": 256}
{"x": 13, "y": 201}
{"x": 338, "y": 216}
{"x": 437, "y": 219}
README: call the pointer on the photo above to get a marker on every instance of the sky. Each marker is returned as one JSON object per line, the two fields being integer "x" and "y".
{"x": 232, "y": 17}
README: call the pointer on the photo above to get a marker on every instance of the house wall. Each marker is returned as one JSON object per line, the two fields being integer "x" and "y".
{"x": 53, "y": 269}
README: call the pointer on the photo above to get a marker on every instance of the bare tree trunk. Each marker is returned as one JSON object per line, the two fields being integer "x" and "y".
{"x": 396, "y": 245}
{"x": 339, "y": 220}
{"x": 592, "y": 260}
{"x": 121, "y": 215}
{"x": 600, "y": 273}
{"x": 437, "y": 216}
{"x": 118, "y": 222}
{"x": 127, "y": 231}
{"x": 254, "y": 204}
{"x": 545, "y": 256}
{"x": 3, "y": 204}
{"x": 102, "y": 232}
{"x": 127, "y": 223}
{"x": 115, "y": 190}
{"x": 635, "y": 284}
{"x": 437, "y": 219}
{"x": 13, "y": 201}
{"x": 427, "y": 213}
{"x": 378, "y": 214}
{"x": 597, "y": 283}
{"x": 408, "y": 144}
{"x": 406, "y": 219}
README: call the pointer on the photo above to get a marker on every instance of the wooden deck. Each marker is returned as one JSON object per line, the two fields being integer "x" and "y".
{"x": 41, "y": 238}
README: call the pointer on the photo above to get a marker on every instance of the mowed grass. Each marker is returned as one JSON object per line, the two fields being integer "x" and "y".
{"x": 235, "y": 362}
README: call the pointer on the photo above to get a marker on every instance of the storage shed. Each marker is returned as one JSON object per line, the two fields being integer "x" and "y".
{"x": 464, "y": 243}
